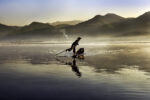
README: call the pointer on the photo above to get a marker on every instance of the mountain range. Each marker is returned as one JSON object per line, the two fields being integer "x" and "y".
{"x": 35, "y": 30}
{"x": 112, "y": 24}
{"x": 107, "y": 25}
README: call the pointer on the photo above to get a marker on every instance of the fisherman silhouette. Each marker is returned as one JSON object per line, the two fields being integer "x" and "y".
{"x": 73, "y": 46}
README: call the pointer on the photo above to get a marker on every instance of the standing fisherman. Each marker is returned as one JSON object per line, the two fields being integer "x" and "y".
{"x": 73, "y": 46}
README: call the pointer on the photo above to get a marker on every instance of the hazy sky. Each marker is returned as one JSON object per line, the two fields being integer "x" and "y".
{"x": 21, "y": 12}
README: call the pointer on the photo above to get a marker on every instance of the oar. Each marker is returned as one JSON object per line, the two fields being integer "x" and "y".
{"x": 60, "y": 52}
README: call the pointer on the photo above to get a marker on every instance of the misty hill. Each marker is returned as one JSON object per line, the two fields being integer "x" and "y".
{"x": 100, "y": 20}
{"x": 74, "y": 22}
{"x": 112, "y": 24}
{"x": 107, "y": 25}
{"x": 35, "y": 30}
{"x": 5, "y": 30}
{"x": 4, "y": 27}
{"x": 130, "y": 26}
{"x": 93, "y": 24}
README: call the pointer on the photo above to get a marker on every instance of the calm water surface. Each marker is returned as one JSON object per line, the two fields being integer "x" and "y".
{"x": 108, "y": 72}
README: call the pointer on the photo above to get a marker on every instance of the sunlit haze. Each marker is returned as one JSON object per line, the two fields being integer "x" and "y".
{"x": 22, "y": 12}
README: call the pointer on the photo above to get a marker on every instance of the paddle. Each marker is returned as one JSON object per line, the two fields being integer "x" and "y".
{"x": 60, "y": 52}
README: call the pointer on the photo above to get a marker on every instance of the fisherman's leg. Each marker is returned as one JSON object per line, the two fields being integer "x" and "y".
{"x": 74, "y": 52}
{"x": 69, "y": 49}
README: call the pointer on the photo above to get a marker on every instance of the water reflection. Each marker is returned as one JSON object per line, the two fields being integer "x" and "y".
{"x": 109, "y": 58}
{"x": 108, "y": 73}
{"x": 115, "y": 57}
{"x": 72, "y": 64}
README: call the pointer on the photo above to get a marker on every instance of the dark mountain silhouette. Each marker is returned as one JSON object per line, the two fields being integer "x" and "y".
{"x": 92, "y": 25}
{"x": 5, "y": 30}
{"x": 112, "y": 24}
{"x": 145, "y": 16}
{"x": 35, "y": 30}
{"x": 100, "y": 20}
{"x": 130, "y": 26}
{"x": 4, "y": 27}
{"x": 107, "y": 25}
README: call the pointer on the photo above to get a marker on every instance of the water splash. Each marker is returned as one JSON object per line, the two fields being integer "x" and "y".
{"x": 64, "y": 33}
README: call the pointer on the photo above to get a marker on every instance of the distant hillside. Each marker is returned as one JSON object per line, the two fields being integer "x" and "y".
{"x": 107, "y": 25}
{"x": 74, "y": 22}
{"x": 5, "y": 30}
{"x": 91, "y": 26}
{"x": 101, "y": 20}
{"x": 112, "y": 24}
{"x": 35, "y": 30}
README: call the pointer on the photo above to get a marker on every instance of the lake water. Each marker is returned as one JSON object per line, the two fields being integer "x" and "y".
{"x": 108, "y": 72}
